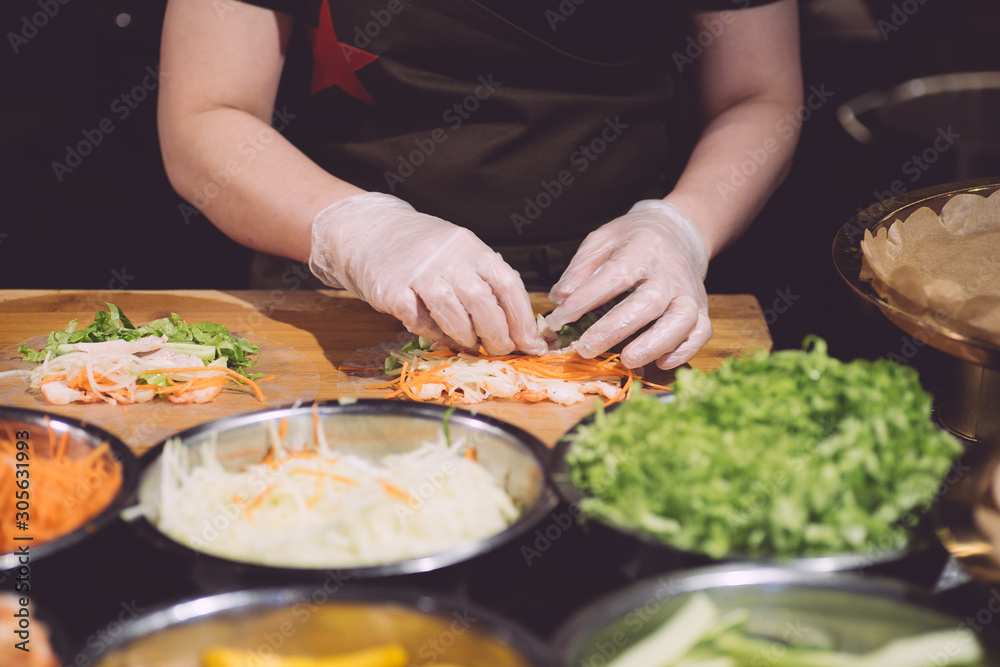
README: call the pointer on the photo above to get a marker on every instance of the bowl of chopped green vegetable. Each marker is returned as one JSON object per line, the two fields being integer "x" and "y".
{"x": 792, "y": 456}
{"x": 761, "y": 615}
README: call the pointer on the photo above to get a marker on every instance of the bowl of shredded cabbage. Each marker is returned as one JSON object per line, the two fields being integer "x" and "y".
{"x": 766, "y": 615}
{"x": 368, "y": 487}
{"x": 791, "y": 456}
{"x": 323, "y": 625}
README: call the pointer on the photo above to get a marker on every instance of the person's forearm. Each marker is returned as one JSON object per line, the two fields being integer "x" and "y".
{"x": 739, "y": 161}
{"x": 249, "y": 180}
{"x": 749, "y": 82}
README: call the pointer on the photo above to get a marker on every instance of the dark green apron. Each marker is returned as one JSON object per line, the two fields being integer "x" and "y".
{"x": 468, "y": 117}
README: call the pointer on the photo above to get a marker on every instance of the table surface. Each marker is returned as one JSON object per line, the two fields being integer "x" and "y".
{"x": 310, "y": 335}
{"x": 306, "y": 336}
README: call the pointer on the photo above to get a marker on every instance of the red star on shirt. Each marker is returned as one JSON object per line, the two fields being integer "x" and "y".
{"x": 334, "y": 63}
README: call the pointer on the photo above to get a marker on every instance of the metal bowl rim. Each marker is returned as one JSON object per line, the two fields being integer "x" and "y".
{"x": 271, "y": 598}
{"x": 846, "y": 252}
{"x": 831, "y": 563}
{"x": 605, "y": 610}
{"x": 532, "y": 515}
{"x": 130, "y": 480}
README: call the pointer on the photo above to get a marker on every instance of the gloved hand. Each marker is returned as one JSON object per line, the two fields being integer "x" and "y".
{"x": 656, "y": 251}
{"x": 439, "y": 279}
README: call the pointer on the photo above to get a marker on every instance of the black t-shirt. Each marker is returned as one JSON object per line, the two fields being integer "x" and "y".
{"x": 606, "y": 30}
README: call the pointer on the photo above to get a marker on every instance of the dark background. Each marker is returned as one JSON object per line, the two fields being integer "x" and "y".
{"x": 114, "y": 222}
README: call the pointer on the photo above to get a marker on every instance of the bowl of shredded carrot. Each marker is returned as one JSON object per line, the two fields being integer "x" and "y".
{"x": 369, "y": 487}
{"x": 61, "y": 481}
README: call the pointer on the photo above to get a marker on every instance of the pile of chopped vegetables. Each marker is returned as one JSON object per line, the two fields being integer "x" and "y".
{"x": 699, "y": 633}
{"x": 64, "y": 492}
{"x": 563, "y": 376}
{"x": 787, "y": 454}
{"x": 114, "y": 361}
{"x": 307, "y": 504}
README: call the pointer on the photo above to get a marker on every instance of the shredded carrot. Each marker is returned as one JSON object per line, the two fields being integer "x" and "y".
{"x": 317, "y": 493}
{"x": 240, "y": 379}
{"x": 569, "y": 367}
{"x": 317, "y": 432}
{"x": 66, "y": 491}
{"x": 394, "y": 490}
{"x": 256, "y": 502}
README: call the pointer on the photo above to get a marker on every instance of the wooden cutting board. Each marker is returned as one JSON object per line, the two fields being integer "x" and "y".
{"x": 306, "y": 336}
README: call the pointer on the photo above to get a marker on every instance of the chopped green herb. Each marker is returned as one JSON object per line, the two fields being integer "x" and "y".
{"x": 783, "y": 454}
{"x": 206, "y": 340}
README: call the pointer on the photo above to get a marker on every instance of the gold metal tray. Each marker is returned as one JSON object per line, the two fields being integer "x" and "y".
{"x": 968, "y": 516}
{"x": 848, "y": 258}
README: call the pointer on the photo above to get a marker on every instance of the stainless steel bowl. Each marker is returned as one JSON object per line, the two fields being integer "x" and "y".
{"x": 317, "y": 621}
{"x": 855, "y": 614}
{"x": 655, "y": 550}
{"x": 82, "y": 438}
{"x": 371, "y": 428}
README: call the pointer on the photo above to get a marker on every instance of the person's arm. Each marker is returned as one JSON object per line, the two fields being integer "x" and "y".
{"x": 750, "y": 80}
{"x": 220, "y": 73}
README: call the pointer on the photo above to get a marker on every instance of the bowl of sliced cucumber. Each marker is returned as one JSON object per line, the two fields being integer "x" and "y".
{"x": 762, "y": 615}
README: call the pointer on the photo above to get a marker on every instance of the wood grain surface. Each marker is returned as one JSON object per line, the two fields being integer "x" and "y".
{"x": 306, "y": 336}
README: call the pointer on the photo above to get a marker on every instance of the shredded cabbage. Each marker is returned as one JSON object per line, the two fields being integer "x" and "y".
{"x": 311, "y": 506}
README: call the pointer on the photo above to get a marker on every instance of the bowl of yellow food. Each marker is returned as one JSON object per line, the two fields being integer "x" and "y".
{"x": 329, "y": 624}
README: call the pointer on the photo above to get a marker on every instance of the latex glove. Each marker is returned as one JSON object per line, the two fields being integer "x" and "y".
{"x": 440, "y": 280}
{"x": 656, "y": 251}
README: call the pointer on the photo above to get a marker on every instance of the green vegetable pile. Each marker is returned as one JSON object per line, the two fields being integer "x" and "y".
{"x": 206, "y": 340}
{"x": 784, "y": 454}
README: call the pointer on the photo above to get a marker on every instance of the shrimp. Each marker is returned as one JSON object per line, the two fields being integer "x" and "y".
{"x": 429, "y": 391}
{"x": 203, "y": 395}
{"x": 58, "y": 392}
